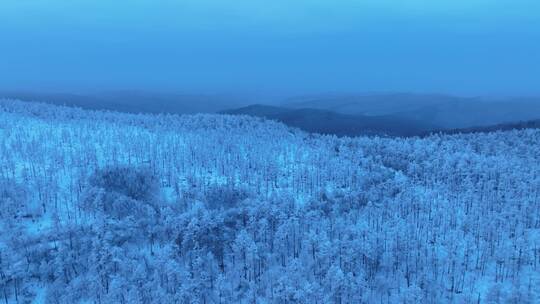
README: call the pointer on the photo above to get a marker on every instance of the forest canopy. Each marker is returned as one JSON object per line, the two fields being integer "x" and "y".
{"x": 104, "y": 207}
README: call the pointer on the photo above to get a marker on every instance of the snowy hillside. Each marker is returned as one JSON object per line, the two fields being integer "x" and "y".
{"x": 104, "y": 207}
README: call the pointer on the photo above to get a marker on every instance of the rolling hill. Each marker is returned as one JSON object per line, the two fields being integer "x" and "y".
{"x": 530, "y": 124}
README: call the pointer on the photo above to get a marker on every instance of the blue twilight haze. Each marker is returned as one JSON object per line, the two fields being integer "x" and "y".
{"x": 461, "y": 47}
{"x": 269, "y": 152}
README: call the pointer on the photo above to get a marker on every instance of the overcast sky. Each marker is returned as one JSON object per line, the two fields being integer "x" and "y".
{"x": 464, "y": 47}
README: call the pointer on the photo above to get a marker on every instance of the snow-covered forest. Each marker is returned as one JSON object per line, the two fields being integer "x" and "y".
{"x": 104, "y": 207}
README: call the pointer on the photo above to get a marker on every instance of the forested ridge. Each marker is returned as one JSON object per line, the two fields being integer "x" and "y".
{"x": 105, "y": 207}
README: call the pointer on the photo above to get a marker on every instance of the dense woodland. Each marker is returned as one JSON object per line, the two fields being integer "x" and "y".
{"x": 103, "y": 207}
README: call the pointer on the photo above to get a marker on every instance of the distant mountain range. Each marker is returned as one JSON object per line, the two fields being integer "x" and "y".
{"x": 396, "y": 114}
{"x": 328, "y": 122}
{"x": 135, "y": 101}
{"x": 442, "y": 111}
{"x": 399, "y": 114}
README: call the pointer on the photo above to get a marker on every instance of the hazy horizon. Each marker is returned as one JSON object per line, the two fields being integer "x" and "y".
{"x": 463, "y": 48}
{"x": 245, "y": 97}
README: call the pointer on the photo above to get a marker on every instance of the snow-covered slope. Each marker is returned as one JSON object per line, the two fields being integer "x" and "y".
{"x": 107, "y": 207}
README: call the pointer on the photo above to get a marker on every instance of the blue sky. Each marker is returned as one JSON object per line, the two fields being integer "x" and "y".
{"x": 464, "y": 47}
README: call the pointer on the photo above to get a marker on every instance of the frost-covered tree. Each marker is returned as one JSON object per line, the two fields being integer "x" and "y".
{"x": 104, "y": 207}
